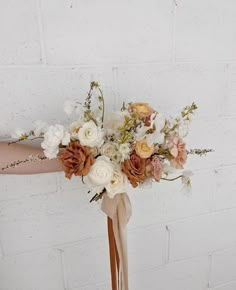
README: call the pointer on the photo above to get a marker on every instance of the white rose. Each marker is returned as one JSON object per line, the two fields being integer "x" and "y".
{"x": 40, "y": 128}
{"x": 90, "y": 135}
{"x": 109, "y": 150}
{"x": 100, "y": 174}
{"x": 117, "y": 184}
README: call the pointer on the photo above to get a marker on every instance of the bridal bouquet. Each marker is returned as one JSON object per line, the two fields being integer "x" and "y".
{"x": 135, "y": 145}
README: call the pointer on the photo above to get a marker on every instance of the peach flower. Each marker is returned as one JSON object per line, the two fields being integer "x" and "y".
{"x": 134, "y": 169}
{"x": 178, "y": 152}
{"x": 142, "y": 149}
{"x": 154, "y": 168}
{"x": 142, "y": 109}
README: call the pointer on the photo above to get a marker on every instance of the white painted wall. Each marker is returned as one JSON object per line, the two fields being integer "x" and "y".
{"x": 167, "y": 52}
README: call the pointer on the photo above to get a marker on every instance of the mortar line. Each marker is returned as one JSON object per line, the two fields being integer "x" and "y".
{"x": 41, "y": 37}
{"x": 209, "y": 269}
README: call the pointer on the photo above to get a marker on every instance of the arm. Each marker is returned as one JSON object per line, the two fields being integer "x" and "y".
{"x": 14, "y": 152}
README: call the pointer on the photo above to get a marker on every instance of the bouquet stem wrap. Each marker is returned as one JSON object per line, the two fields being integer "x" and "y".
{"x": 118, "y": 211}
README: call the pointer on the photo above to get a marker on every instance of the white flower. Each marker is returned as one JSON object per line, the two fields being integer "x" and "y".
{"x": 100, "y": 174}
{"x": 54, "y": 135}
{"x": 40, "y": 127}
{"x": 69, "y": 107}
{"x": 109, "y": 149}
{"x": 90, "y": 135}
{"x": 18, "y": 133}
{"x": 124, "y": 150}
{"x": 117, "y": 184}
{"x": 186, "y": 180}
{"x": 74, "y": 129}
{"x": 113, "y": 121}
{"x": 141, "y": 132}
{"x": 183, "y": 128}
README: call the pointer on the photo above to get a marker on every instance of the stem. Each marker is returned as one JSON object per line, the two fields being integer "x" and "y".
{"x": 103, "y": 105}
{"x": 172, "y": 179}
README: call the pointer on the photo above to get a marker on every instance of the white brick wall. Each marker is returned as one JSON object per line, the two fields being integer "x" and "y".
{"x": 168, "y": 52}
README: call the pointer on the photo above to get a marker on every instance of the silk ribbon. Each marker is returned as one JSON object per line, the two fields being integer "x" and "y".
{"x": 118, "y": 211}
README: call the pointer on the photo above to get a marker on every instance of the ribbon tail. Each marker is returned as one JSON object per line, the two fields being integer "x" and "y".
{"x": 118, "y": 210}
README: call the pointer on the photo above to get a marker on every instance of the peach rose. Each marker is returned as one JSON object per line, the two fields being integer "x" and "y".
{"x": 142, "y": 109}
{"x": 134, "y": 169}
{"x": 154, "y": 168}
{"x": 142, "y": 149}
{"x": 178, "y": 152}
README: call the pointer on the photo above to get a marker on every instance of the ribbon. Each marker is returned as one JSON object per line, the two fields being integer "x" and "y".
{"x": 118, "y": 211}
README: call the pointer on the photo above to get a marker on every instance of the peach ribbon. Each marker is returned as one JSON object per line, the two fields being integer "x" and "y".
{"x": 118, "y": 211}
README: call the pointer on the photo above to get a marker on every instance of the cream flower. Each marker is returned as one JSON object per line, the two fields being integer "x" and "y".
{"x": 100, "y": 174}
{"x": 90, "y": 135}
{"x": 117, "y": 184}
{"x": 125, "y": 150}
{"x": 109, "y": 149}
{"x": 74, "y": 129}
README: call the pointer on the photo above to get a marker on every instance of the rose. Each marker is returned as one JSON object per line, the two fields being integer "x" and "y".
{"x": 117, "y": 184}
{"x": 178, "y": 152}
{"x": 90, "y": 135}
{"x": 109, "y": 150}
{"x": 100, "y": 174}
{"x": 143, "y": 149}
{"x": 134, "y": 169}
{"x": 154, "y": 168}
{"x": 76, "y": 159}
{"x": 142, "y": 109}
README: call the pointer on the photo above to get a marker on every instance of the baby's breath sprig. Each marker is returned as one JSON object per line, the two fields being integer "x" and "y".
{"x": 25, "y": 136}
{"x": 31, "y": 158}
{"x": 199, "y": 152}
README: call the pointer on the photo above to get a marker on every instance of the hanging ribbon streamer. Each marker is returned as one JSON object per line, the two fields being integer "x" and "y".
{"x": 118, "y": 211}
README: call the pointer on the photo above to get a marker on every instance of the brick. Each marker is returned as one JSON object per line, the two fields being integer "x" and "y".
{"x": 146, "y": 248}
{"x": 183, "y": 275}
{"x": 170, "y": 87}
{"x": 19, "y": 186}
{"x": 87, "y": 263}
{"x": 31, "y": 96}
{"x": 44, "y": 221}
{"x": 228, "y": 286}
{"x": 205, "y": 30}
{"x": 37, "y": 270}
{"x": 88, "y": 32}
{"x": 202, "y": 234}
{"x": 229, "y": 105}
{"x": 223, "y": 267}
{"x": 19, "y": 33}
{"x": 225, "y": 187}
